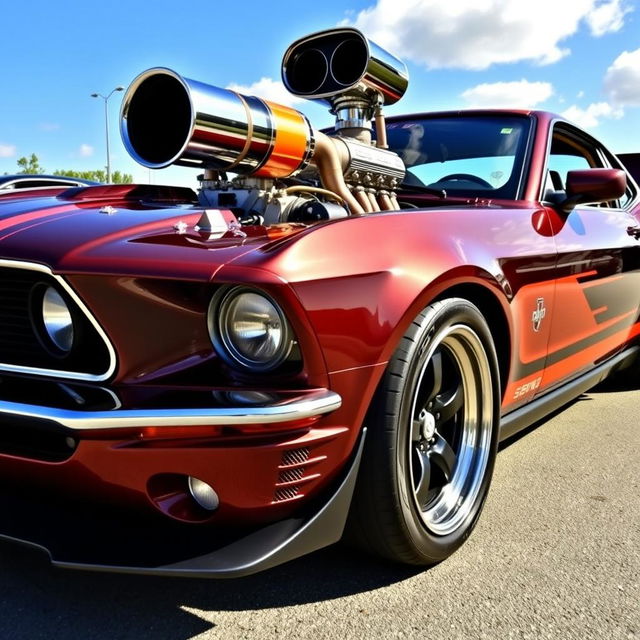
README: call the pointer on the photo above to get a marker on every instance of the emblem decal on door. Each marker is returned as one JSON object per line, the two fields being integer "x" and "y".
{"x": 538, "y": 315}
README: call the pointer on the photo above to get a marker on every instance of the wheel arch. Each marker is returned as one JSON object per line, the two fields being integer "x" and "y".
{"x": 493, "y": 312}
{"x": 475, "y": 285}
{"x": 395, "y": 512}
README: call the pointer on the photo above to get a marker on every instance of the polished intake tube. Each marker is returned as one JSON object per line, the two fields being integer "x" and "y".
{"x": 168, "y": 119}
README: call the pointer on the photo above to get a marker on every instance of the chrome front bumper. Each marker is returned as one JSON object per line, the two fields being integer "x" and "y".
{"x": 281, "y": 408}
{"x": 108, "y": 537}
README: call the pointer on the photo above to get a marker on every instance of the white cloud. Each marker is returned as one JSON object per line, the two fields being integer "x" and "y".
{"x": 590, "y": 117}
{"x": 49, "y": 126}
{"x": 607, "y": 17}
{"x": 622, "y": 87}
{"x": 469, "y": 34}
{"x": 520, "y": 94}
{"x": 86, "y": 150}
{"x": 268, "y": 89}
{"x": 7, "y": 150}
{"x": 622, "y": 80}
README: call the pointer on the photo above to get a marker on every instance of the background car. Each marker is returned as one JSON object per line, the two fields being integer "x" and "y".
{"x": 27, "y": 185}
{"x": 35, "y": 181}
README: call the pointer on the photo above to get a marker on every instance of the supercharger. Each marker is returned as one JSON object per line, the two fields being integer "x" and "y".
{"x": 265, "y": 161}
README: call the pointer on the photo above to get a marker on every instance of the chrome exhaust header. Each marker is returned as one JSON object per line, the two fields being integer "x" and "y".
{"x": 168, "y": 119}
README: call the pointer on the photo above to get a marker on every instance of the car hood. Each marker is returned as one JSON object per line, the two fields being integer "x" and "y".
{"x": 122, "y": 237}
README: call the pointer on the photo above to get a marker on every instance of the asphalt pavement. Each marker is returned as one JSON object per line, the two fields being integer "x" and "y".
{"x": 555, "y": 555}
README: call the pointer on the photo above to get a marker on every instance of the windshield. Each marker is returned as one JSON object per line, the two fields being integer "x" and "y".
{"x": 463, "y": 155}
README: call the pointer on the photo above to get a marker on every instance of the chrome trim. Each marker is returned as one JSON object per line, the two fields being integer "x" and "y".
{"x": 56, "y": 373}
{"x": 306, "y": 405}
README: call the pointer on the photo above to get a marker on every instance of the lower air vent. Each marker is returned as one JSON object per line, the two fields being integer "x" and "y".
{"x": 286, "y": 494}
{"x": 291, "y": 475}
{"x": 295, "y": 456}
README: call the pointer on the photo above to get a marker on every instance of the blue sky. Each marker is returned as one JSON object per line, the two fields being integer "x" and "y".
{"x": 579, "y": 57}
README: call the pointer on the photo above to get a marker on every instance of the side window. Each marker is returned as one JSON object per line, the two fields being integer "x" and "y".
{"x": 631, "y": 192}
{"x": 626, "y": 198}
{"x": 570, "y": 151}
{"x": 562, "y": 163}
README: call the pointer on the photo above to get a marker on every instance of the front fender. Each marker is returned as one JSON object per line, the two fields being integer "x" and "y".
{"x": 361, "y": 281}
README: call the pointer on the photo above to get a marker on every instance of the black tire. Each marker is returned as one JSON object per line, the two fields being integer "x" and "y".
{"x": 432, "y": 439}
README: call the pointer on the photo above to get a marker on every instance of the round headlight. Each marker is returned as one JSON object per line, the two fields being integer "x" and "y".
{"x": 57, "y": 320}
{"x": 249, "y": 328}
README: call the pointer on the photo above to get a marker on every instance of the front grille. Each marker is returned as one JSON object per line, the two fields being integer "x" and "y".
{"x": 20, "y": 345}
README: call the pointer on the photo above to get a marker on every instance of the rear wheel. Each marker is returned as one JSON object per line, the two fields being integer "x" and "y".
{"x": 432, "y": 438}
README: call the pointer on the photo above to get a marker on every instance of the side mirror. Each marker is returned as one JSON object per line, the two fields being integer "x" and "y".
{"x": 593, "y": 186}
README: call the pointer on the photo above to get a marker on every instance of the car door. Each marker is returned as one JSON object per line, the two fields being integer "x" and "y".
{"x": 597, "y": 292}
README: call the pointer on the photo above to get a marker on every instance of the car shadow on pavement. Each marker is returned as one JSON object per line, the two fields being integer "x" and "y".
{"x": 584, "y": 397}
{"x": 625, "y": 380}
{"x": 620, "y": 382}
{"x": 37, "y": 600}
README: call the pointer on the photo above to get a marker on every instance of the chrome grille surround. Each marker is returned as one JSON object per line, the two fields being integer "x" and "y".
{"x": 60, "y": 373}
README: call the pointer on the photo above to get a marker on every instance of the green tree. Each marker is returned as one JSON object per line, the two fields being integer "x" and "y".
{"x": 30, "y": 164}
{"x": 99, "y": 175}
{"x": 121, "y": 178}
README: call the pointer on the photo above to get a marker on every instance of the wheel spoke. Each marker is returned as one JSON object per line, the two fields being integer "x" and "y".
{"x": 423, "y": 479}
{"x": 448, "y": 404}
{"x": 431, "y": 385}
{"x": 436, "y": 373}
{"x": 416, "y": 431}
{"x": 443, "y": 456}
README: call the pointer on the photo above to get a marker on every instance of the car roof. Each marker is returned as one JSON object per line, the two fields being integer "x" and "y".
{"x": 539, "y": 114}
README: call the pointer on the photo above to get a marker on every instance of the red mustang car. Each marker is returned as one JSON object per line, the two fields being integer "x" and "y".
{"x": 332, "y": 335}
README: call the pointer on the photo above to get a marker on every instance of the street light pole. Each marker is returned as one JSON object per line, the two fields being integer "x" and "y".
{"x": 106, "y": 125}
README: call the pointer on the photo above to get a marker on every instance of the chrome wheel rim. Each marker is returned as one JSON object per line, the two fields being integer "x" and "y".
{"x": 450, "y": 428}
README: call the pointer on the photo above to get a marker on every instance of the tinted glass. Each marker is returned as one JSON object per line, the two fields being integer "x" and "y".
{"x": 464, "y": 155}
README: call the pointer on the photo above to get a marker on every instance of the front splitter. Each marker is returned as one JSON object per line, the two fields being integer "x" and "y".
{"x": 233, "y": 555}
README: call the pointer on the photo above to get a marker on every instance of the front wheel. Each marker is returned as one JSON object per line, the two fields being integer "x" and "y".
{"x": 432, "y": 438}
